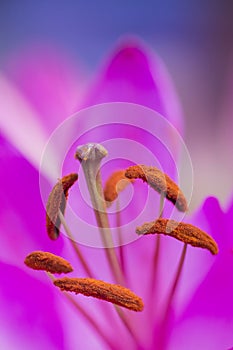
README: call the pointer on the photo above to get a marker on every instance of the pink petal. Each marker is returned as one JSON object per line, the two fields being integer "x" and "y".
{"x": 198, "y": 261}
{"x": 207, "y": 322}
{"x": 20, "y": 123}
{"x": 135, "y": 74}
{"x": 48, "y": 80}
{"x": 22, "y": 215}
{"x": 29, "y": 315}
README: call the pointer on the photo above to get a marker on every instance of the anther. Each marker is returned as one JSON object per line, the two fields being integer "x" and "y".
{"x": 112, "y": 293}
{"x": 160, "y": 182}
{"x": 116, "y": 183}
{"x": 186, "y": 233}
{"x": 47, "y": 262}
{"x": 57, "y": 201}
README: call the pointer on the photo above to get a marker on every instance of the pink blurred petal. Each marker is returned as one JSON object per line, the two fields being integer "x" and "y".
{"x": 29, "y": 318}
{"x": 208, "y": 320}
{"x": 198, "y": 261}
{"x": 20, "y": 123}
{"x": 48, "y": 80}
{"x": 135, "y": 74}
{"x": 22, "y": 215}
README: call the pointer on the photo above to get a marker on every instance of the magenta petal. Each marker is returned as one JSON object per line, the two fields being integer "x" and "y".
{"x": 29, "y": 319}
{"x": 198, "y": 262}
{"x": 22, "y": 215}
{"x": 215, "y": 217}
{"x": 48, "y": 80}
{"x": 208, "y": 320}
{"x": 134, "y": 74}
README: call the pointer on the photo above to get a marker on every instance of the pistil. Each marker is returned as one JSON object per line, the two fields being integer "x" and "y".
{"x": 90, "y": 157}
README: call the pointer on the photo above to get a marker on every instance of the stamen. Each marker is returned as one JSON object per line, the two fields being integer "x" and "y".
{"x": 93, "y": 322}
{"x": 116, "y": 183}
{"x": 75, "y": 245}
{"x": 160, "y": 182}
{"x": 57, "y": 201}
{"x": 90, "y": 156}
{"x": 120, "y": 236}
{"x": 156, "y": 255}
{"x": 128, "y": 326}
{"x": 177, "y": 278}
{"x": 112, "y": 293}
{"x": 171, "y": 297}
{"x": 47, "y": 262}
{"x": 88, "y": 317}
{"x": 186, "y": 233}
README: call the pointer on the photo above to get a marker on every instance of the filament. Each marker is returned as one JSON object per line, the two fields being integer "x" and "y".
{"x": 75, "y": 245}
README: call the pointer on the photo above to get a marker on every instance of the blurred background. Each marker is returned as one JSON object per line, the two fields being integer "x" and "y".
{"x": 194, "y": 38}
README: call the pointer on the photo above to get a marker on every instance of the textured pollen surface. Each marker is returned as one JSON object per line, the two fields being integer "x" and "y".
{"x": 160, "y": 182}
{"x": 116, "y": 183}
{"x": 57, "y": 201}
{"x": 186, "y": 233}
{"x": 48, "y": 262}
{"x": 102, "y": 290}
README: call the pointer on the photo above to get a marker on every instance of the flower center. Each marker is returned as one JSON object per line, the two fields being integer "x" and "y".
{"x": 90, "y": 157}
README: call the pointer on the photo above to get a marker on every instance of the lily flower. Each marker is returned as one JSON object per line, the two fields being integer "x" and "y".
{"x": 198, "y": 311}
